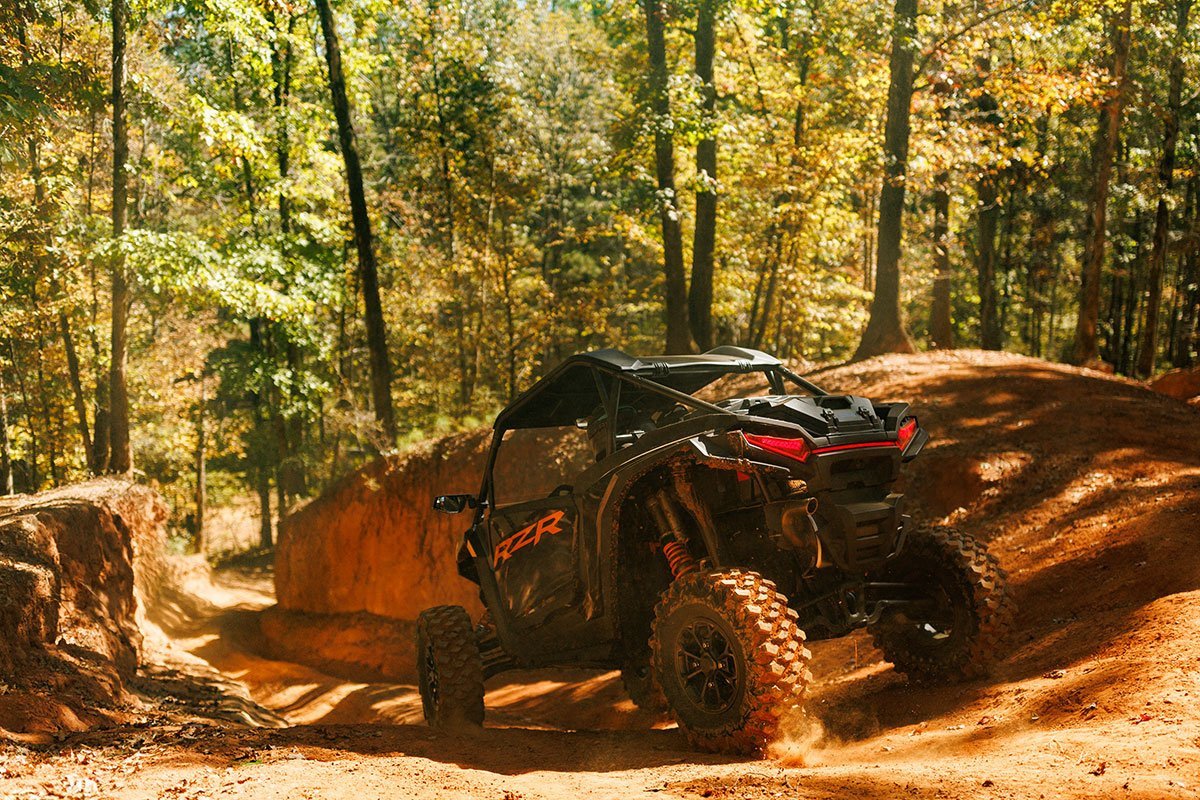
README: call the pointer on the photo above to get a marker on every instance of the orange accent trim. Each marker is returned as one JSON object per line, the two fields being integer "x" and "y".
{"x": 529, "y": 535}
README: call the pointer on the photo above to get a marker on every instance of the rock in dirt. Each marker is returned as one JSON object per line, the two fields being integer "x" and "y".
{"x": 1182, "y": 384}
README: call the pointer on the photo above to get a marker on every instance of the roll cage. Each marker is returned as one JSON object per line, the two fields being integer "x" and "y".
{"x": 610, "y": 381}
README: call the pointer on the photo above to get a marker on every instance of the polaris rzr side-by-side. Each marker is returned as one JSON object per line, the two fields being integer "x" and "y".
{"x": 695, "y": 544}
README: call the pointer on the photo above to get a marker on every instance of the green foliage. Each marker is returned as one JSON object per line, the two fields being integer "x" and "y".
{"x": 508, "y": 152}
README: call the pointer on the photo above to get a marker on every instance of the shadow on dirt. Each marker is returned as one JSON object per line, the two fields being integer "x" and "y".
{"x": 504, "y": 751}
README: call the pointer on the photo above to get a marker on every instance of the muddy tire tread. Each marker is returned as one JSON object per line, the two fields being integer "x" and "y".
{"x": 993, "y": 610}
{"x": 776, "y": 657}
{"x": 451, "y": 634}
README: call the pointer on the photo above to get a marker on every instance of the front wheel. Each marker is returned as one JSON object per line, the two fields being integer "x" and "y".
{"x": 449, "y": 668}
{"x": 730, "y": 659}
{"x": 956, "y": 632}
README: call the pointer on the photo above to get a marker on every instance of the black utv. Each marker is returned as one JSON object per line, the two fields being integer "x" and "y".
{"x": 692, "y": 520}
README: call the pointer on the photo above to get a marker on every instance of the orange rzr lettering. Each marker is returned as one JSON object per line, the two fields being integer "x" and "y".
{"x": 531, "y": 534}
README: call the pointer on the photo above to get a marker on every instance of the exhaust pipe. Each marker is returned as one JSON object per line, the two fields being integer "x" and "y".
{"x": 799, "y": 529}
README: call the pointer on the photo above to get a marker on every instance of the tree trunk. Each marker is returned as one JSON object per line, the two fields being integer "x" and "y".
{"x": 35, "y": 482}
{"x": 987, "y": 220}
{"x": 679, "y": 338}
{"x": 281, "y": 71}
{"x": 64, "y": 325}
{"x": 121, "y": 453}
{"x": 43, "y": 392}
{"x": 201, "y": 467}
{"x": 985, "y": 262}
{"x": 292, "y": 474}
{"x": 100, "y": 426}
{"x": 89, "y": 455}
{"x": 885, "y": 331}
{"x": 1085, "y": 350}
{"x": 700, "y": 295}
{"x": 6, "y": 475}
{"x": 1166, "y": 178}
{"x": 266, "y": 529}
{"x": 941, "y": 326}
{"x": 1188, "y": 327}
{"x": 381, "y": 367}
{"x": 1133, "y": 304}
{"x": 260, "y": 456}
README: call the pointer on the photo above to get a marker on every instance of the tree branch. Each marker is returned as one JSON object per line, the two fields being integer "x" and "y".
{"x": 963, "y": 31}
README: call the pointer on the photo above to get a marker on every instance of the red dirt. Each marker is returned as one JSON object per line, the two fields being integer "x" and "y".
{"x": 69, "y": 638}
{"x": 1087, "y": 488}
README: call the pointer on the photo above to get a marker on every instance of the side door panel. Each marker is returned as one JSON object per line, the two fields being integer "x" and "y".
{"x": 534, "y": 557}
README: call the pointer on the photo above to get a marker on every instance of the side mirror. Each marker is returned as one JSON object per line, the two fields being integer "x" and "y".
{"x": 454, "y": 503}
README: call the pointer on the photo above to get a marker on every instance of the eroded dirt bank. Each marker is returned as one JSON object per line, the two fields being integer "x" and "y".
{"x": 1087, "y": 487}
{"x": 70, "y": 642}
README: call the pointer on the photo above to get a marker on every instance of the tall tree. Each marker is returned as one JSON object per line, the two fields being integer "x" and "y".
{"x": 885, "y": 331}
{"x": 6, "y": 471}
{"x": 1086, "y": 348}
{"x": 1166, "y": 179}
{"x": 988, "y": 217}
{"x": 368, "y": 272}
{"x": 700, "y": 294}
{"x": 201, "y": 494}
{"x": 941, "y": 326}
{"x": 1187, "y": 323}
{"x": 121, "y": 455}
{"x": 679, "y": 338}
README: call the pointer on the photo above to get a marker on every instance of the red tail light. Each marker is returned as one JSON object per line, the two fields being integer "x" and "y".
{"x": 797, "y": 449}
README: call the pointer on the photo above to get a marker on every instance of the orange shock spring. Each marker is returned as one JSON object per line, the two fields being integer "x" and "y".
{"x": 679, "y": 559}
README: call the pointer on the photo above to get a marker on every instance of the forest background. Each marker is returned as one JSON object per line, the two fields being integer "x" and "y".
{"x": 246, "y": 245}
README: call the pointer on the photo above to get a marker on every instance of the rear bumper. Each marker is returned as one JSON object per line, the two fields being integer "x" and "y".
{"x": 861, "y": 536}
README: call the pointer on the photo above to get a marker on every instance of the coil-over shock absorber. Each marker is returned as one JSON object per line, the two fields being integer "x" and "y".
{"x": 665, "y": 511}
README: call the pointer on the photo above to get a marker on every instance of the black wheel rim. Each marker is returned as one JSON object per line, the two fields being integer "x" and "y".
{"x": 935, "y": 625}
{"x": 707, "y": 666}
{"x": 432, "y": 690}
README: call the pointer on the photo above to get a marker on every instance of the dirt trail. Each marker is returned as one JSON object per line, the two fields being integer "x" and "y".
{"x": 1088, "y": 489}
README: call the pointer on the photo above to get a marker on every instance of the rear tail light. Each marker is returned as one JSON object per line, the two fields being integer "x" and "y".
{"x": 796, "y": 449}
{"x": 800, "y": 450}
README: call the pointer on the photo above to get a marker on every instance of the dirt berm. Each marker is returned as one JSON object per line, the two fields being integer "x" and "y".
{"x": 69, "y": 638}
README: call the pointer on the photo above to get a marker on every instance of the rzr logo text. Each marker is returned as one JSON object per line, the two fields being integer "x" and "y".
{"x": 528, "y": 535}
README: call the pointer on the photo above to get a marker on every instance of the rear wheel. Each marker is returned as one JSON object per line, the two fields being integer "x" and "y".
{"x": 956, "y": 634}
{"x": 449, "y": 668}
{"x": 730, "y": 659}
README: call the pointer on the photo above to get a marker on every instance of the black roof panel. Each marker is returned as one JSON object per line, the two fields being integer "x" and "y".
{"x": 571, "y": 391}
